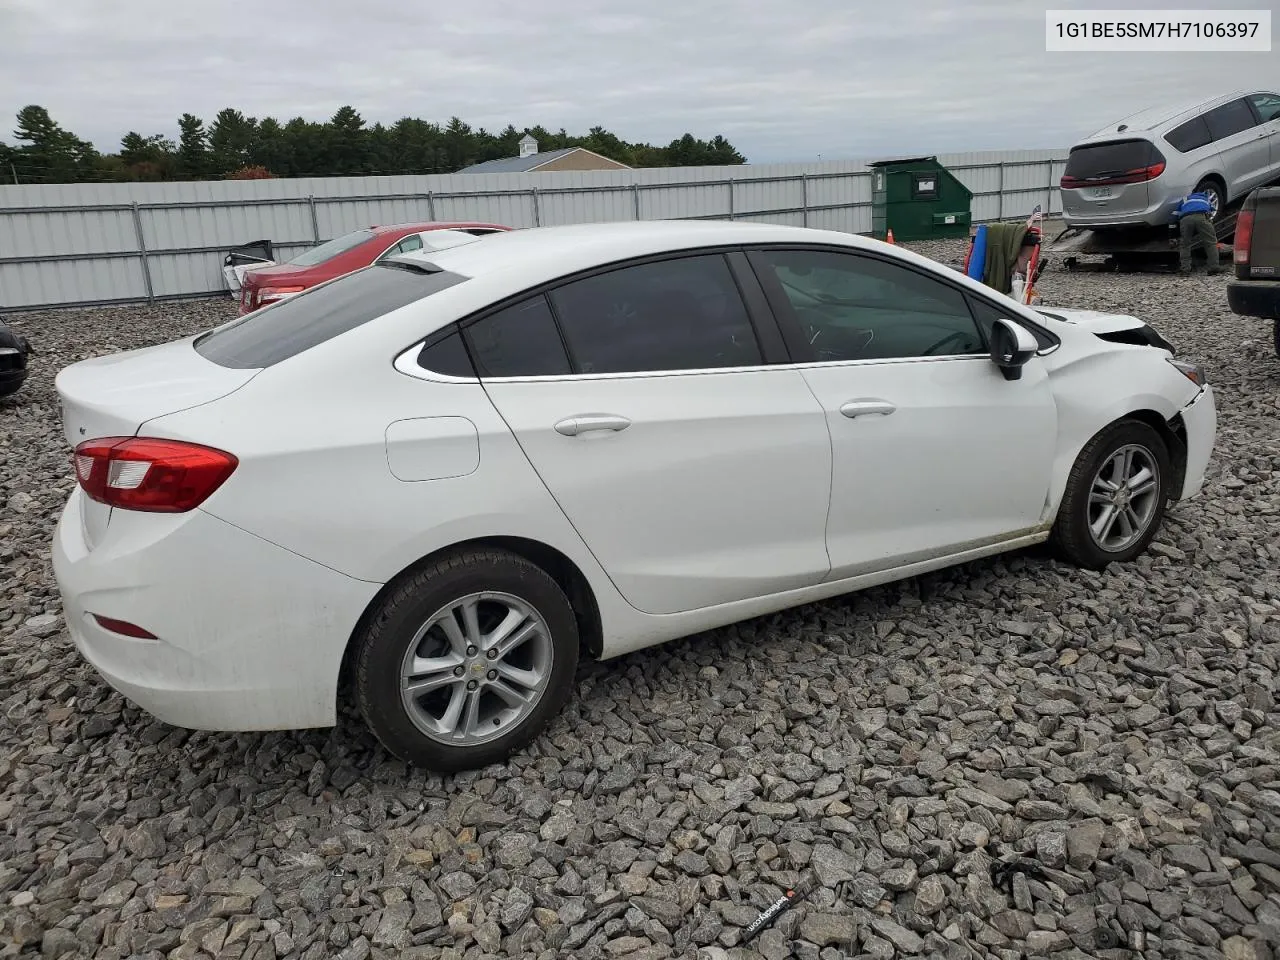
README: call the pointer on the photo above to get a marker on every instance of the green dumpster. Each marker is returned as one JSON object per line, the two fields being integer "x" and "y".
{"x": 918, "y": 199}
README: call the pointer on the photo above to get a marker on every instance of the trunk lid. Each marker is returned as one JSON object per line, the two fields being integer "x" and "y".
{"x": 115, "y": 395}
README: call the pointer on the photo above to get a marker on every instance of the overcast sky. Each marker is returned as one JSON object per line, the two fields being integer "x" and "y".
{"x": 783, "y": 81}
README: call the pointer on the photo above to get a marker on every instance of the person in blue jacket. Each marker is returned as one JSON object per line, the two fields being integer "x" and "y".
{"x": 1194, "y": 226}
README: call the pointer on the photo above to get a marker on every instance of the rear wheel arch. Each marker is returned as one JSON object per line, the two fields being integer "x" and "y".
{"x": 567, "y": 575}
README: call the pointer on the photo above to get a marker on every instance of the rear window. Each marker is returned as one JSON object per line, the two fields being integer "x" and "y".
{"x": 330, "y": 249}
{"x": 1189, "y": 136}
{"x": 1110, "y": 159}
{"x": 286, "y": 329}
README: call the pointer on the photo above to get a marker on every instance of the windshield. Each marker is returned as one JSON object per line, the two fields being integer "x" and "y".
{"x": 331, "y": 249}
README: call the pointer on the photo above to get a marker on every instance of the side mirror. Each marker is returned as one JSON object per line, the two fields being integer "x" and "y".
{"x": 1011, "y": 347}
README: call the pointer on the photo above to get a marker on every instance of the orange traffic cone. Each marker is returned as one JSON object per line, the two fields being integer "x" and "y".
{"x": 889, "y": 238}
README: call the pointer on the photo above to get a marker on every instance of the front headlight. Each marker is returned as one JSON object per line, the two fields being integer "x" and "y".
{"x": 1192, "y": 371}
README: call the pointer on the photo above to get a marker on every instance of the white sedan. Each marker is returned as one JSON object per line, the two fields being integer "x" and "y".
{"x": 436, "y": 483}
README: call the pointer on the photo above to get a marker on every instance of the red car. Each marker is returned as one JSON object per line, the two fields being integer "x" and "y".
{"x": 342, "y": 255}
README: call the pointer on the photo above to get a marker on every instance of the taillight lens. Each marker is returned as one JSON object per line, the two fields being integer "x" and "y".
{"x": 1136, "y": 175}
{"x": 1243, "y": 237}
{"x": 271, "y": 294}
{"x": 156, "y": 476}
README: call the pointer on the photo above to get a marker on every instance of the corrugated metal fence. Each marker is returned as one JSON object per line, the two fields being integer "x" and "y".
{"x": 84, "y": 244}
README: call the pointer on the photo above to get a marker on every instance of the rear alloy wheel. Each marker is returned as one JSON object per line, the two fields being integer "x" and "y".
{"x": 1211, "y": 190}
{"x": 1115, "y": 497}
{"x": 467, "y": 661}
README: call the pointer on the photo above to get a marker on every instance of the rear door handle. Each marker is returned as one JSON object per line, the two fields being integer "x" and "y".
{"x": 585, "y": 423}
{"x": 862, "y": 408}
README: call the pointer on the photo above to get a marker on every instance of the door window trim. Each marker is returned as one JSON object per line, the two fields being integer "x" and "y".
{"x": 780, "y": 343}
{"x": 764, "y": 324}
{"x": 800, "y": 347}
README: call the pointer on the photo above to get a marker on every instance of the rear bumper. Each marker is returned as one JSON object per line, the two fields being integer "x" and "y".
{"x": 1200, "y": 417}
{"x": 251, "y": 636}
{"x": 1078, "y": 212}
{"x": 1254, "y": 298}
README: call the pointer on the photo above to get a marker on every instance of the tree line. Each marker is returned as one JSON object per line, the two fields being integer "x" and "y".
{"x": 235, "y": 146}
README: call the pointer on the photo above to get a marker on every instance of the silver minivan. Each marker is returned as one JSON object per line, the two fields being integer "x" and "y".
{"x": 1134, "y": 172}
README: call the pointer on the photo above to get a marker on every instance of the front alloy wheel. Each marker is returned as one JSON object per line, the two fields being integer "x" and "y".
{"x": 1115, "y": 496}
{"x": 466, "y": 660}
{"x": 1124, "y": 498}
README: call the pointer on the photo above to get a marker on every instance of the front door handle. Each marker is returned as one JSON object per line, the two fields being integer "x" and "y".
{"x": 572, "y": 426}
{"x": 862, "y": 408}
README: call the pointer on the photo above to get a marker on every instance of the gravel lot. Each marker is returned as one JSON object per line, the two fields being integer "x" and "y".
{"x": 1117, "y": 729}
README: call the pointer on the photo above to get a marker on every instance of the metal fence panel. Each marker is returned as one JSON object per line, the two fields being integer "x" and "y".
{"x": 64, "y": 244}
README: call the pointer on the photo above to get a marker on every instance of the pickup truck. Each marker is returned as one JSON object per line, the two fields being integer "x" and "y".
{"x": 1255, "y": 289}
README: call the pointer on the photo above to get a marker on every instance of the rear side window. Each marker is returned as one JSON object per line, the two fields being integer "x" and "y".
{"x": 331, "y": 248}
{"x": 679, "y": 314}
{"x": 518, "y": 341}
{"x": 287, "y": 328}
{"x": 1230, "y": 119}
{"x": 1189, "y": 136}
{"x": 1100, "y": 160}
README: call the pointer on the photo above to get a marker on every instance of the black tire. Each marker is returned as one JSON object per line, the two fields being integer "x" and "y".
{"x": 1275, "y": 335}
{"x": 382, "y": 646}
{"x": 1210, "y": 186}
{"x": 1072, "y": 537}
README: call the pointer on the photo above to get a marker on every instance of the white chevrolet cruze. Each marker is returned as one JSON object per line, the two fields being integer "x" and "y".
{"x": 440, "y": 481}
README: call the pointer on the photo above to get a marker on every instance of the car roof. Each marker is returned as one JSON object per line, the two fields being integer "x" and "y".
{"x": 1156, "y": 118}
{"x": 560, "y": 250}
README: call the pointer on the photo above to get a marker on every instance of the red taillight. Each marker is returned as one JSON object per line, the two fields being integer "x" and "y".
{"x": 1243, "y": 237}
{"x": 1137, "y": 175}
{"x": 124, "y": 628}
{"x": 157, "y": 476}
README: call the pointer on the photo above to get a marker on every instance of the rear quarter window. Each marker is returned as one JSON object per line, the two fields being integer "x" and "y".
{"x": 1189, "y": 136}
{"x": 266, "y": 337}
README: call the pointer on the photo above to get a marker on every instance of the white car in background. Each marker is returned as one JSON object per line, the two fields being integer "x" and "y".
{"x": 448, "y": 476}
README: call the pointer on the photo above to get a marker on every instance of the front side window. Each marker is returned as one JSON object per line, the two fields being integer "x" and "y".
{"x": 332, "y": 248}
{"x": 852, "y": 307}
{"x": 679, "y": 314}
{"x": 1229, "y": 119}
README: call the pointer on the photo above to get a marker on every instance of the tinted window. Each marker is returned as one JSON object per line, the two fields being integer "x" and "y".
{"x": 289, "y": 327}
{"x": 331, "y": 249}
{"x": 1229, "y": 119}
{"x": 1189, "y": 136}
{"x": 446, "y": 354}
{"x": 852, "y": 307}
{"x": 1267, "y": 105}
{"x": 682, "y": 314}
{"x": 985, "y": 313}
{"x": 518, "y": 341}
{"x": 1110, "y": 159}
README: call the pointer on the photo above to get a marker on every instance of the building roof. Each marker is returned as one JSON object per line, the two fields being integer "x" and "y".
{"x": 525, "y": 164}
{"x": 517, "y": 164}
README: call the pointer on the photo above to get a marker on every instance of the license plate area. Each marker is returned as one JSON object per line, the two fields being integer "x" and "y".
{"x": 1099, "y": 193}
